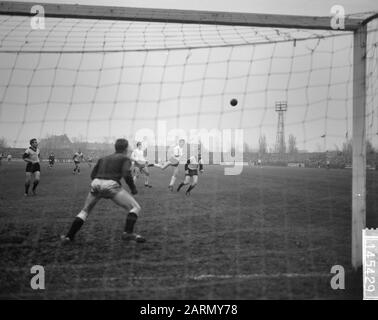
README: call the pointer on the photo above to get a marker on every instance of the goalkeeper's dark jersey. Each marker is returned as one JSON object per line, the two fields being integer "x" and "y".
{"x": 113, "y": 167}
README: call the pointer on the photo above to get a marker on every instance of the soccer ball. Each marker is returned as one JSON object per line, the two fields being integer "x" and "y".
{"x": 233, "y": 102}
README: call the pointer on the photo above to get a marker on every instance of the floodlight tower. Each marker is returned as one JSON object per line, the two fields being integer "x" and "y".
{"x": 281, "y": 108}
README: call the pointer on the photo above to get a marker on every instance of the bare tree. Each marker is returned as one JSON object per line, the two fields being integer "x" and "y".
{"x": 3, "y": 143}
{"x": 262, "y": 145}
{"x": 369, "y": 147}
{"x": 246, "y": 147}
{"x": 292, "y": 144}
{"x": 347, "y": 149}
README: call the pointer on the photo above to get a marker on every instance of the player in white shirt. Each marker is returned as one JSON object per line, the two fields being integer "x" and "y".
{"x": 141, "y": 164}
{"x": 77, "y": 158}
{"x": 31, "y": 157}
{"x": 174, "y": 161}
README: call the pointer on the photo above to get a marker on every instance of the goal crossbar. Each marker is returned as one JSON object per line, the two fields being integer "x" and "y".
{"x": 76, "y": 11}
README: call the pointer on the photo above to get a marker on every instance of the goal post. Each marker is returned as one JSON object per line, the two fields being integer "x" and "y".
{"x": 359, "y": 144}
{"x": 356, "y": 25}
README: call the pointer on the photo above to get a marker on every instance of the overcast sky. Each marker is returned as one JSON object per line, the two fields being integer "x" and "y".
{"x": 107, "y": 95}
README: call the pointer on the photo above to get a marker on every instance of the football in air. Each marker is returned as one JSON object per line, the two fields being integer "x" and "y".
{"x": 233, "y": 102}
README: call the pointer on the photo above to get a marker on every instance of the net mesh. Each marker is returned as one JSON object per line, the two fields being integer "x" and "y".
{"x": 269, "y": 233}
{"x": 81, "y": 77}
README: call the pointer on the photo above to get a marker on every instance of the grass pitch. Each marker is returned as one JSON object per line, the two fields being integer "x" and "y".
{"x": 269, "y": 233}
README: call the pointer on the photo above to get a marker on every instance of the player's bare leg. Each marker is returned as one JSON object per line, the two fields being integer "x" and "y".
{"x": 79, "y": 220}
{"x": 173, "y": 178}
{"x": 127, "y": 201}
{"x": 194, "y": 183}
{"x": 27, "y": 183}
{"x": 135, "y": 173}
{"x": 186, "y": 182}
{"x": 162, "y": 166}
{"x": 146, "y": 174}
{"x": 37, "y": 176}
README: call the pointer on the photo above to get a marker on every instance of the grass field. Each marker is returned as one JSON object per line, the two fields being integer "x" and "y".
{"x": 270, "y": 233}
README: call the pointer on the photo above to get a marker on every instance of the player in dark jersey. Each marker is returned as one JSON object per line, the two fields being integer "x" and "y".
{"x": 106, "y": 184}
{"x": 51, "y": 160}
{"x": 191, "y": 171}
{"x": 33, "y": 169}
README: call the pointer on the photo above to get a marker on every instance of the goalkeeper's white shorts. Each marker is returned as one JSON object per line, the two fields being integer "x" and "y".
{"x": 102, "y": 188}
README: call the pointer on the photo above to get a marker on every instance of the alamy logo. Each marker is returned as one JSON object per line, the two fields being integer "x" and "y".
{"x": 37, "y": 22}
{"x": 338, "y": 280}
{"x": 37, "y": 282}
{"x": 338, "y": 17}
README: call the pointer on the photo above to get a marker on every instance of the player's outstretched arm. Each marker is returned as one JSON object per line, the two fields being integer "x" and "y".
{"x": 126, "y": 173}
{"x": 130, "y": 182}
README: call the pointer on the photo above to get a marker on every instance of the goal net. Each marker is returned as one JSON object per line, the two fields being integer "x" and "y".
{"x": 98, "y": 80}
{"x": 83, "y": 83}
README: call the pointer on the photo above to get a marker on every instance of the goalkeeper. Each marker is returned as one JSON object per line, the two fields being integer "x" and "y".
{"x": 106, "y": 184}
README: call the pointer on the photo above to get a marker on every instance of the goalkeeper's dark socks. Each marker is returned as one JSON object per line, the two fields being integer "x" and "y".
{"x": 190, "y": 188}
{"x": 75, "y": 227}
{"x": 35, "y": 184}
{"x": 130, "y": 222}
{"x": 27, "y": 186}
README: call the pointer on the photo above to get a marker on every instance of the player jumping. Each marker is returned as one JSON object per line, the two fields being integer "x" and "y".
{"x": 77, "y": 158}
{"x": 31, "y": 157}
{"x": 173, "y": 161}
{"x": 106, "y": 183}
{"x": 191, "y": 171}
{"x": 141, "y": 164}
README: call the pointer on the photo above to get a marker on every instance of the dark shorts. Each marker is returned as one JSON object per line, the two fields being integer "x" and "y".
{"x": 77, "y": 162}
{"x": 33, "y": 167}
{"x": 192, "y": 173}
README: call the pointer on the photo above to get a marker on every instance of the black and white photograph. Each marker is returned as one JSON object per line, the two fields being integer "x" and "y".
{"x": 189, "y": 151}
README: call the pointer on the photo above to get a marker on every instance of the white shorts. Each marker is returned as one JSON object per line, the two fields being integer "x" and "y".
{"x": 102, "y": 188}
{"x": 140, "y": 164}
